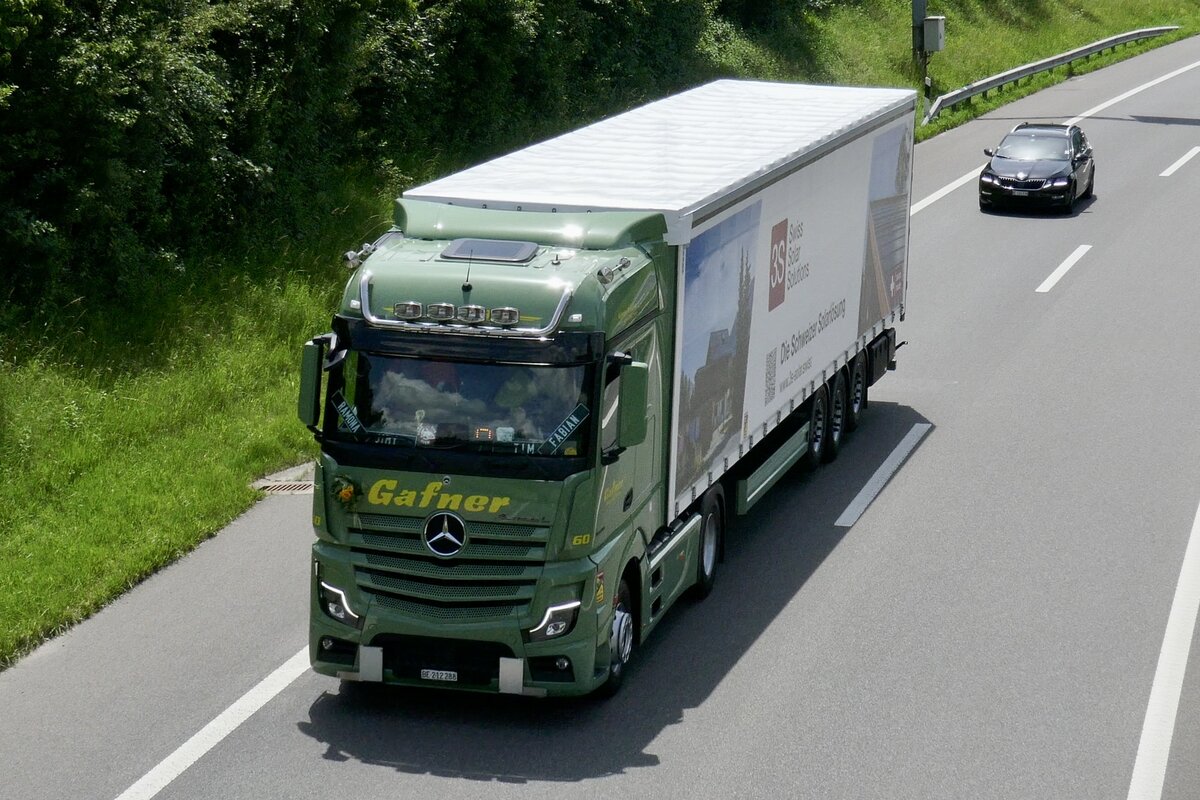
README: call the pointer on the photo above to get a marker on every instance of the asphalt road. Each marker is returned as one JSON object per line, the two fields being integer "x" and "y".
{"x": 990, "y": 627}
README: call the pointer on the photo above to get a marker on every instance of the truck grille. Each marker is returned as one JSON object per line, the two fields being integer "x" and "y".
{"x": 494, "y": 576}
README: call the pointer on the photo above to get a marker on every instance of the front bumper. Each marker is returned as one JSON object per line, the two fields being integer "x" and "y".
{"x": 410, "y": 646}
{"x": 997, "y": 194}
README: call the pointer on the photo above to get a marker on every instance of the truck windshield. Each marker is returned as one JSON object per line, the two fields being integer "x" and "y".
{"x": 488, "y": 408}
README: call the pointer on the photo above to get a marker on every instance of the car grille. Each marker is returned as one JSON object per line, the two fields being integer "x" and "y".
{"x": 1013, "y": 183}
{"x": 493, "y": 577}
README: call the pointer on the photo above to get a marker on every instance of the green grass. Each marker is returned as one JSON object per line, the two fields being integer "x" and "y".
{"x": 129, "y": 435}
{"x": 115, "y": 475}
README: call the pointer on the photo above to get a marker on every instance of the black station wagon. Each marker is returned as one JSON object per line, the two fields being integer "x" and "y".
{"x": 1038, "y": 165}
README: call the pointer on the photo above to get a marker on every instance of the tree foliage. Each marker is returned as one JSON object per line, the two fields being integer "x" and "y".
{"x": 135, "y": 134}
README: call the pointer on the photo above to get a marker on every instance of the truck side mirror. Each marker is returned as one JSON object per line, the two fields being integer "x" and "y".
{"x": 631, "y": 422}
{"x": 309, "y": 406}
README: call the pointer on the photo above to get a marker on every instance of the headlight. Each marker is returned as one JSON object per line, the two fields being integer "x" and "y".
{"x": 558, "y": 621}
{"x": 987, "y": 177}
{"x": 335, "y": 605}
{"x": 1059, "y": 183}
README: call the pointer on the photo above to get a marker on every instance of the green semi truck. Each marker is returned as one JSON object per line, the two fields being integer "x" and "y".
{"x": 555, "y": 381}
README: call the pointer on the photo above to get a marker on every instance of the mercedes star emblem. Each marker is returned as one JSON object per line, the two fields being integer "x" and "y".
{"x": 445, "y": 535}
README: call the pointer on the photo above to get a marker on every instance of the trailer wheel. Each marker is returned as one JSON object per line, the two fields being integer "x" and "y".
{"x": 620, "y": 639}
{"x": 818, "y": 427}
{"x": 836, "y": 426}
{"x": 857, "y": 401}
{"x": 712, "y": 535}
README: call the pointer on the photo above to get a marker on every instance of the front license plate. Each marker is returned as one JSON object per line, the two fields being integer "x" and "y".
{"x": 1020, "y": 193}
{"x": 438, "y": 675}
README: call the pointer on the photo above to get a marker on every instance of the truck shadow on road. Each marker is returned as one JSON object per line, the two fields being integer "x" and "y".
{"x": 770, "y": 554}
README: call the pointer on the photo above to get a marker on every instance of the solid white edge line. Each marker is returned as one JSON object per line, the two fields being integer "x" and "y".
{"x": 950, "y": 187}
{"x": 1054, "y": 277}
{"x": 1154, "y": 747}
{"x": 211, "y": 734}
{"x": 1169, "y": 171}
{"x": 875, "y": 485}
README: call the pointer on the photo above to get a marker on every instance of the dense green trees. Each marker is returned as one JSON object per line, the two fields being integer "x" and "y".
{"x": 136, "y": 134}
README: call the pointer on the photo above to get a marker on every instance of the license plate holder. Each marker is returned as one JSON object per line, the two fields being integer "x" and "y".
{"x": 445, "y": 675}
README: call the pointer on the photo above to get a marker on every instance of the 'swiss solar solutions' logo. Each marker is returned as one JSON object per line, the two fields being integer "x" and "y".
{"x": 786, "y": 269}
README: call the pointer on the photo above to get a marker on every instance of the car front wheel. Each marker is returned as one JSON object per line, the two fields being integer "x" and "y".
{"x": 1069, "y": 203}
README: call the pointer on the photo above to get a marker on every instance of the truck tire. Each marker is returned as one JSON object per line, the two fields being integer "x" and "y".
{"x": 836, "y": 426}
{"x": 621, "y": 639}
{"x": 818, "y": 428}
{"x": 712, "y": 541}
{"x": 856, "y": 400}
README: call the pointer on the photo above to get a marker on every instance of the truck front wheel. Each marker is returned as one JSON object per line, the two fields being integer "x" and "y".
{"x": 620, "y": 639}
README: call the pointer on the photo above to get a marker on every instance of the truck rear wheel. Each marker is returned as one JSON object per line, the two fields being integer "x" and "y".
{"x": 818, "y": 428}
{"x": 712, "y": 534}
{"x": 856, "y": 401}
{"x": 836, "y": 426}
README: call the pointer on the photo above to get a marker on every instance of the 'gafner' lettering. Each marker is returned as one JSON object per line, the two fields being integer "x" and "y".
{"x": 384, "y": 492}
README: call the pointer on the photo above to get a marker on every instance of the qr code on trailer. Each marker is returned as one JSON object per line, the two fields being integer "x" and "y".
{"x": 772, "y": 358}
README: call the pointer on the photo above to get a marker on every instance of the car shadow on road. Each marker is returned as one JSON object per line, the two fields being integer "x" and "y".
{"x": 770, "y": 555}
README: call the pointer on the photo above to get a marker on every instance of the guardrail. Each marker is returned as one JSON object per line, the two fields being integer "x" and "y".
{"x": 1013, "y": 75}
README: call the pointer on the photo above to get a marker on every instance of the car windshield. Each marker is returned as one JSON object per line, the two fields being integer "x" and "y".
{"x": 1032, "y": 147}
{"x": 488, "y": 408}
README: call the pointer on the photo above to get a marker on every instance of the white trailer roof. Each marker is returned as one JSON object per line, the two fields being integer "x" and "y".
{"x": 677, "y": 155}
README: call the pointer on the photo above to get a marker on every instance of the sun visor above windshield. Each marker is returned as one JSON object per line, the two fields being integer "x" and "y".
{"x": 600, "y": 230}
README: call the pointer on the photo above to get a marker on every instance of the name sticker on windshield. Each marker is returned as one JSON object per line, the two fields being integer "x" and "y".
{"x": 346, "y": 412}
{"x": 564, "y": 430}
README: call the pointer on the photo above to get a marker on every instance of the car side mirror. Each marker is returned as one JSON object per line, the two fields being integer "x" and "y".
{"x": 989, "y": 152}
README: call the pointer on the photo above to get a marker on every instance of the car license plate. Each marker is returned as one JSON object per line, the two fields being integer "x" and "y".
{"x": 438, "y": 675}
{"x": 1020, "y": 193}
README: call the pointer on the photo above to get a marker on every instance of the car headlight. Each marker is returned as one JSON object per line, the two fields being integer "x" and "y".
{"x": 336, "y": 606}
{"x": 1059, "y": 183}
{"x": 987, "y": 177}
{"x": 558, "y": 621}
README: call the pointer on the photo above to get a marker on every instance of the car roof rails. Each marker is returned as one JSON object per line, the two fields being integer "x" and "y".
{"x": 1046, "y": 125}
